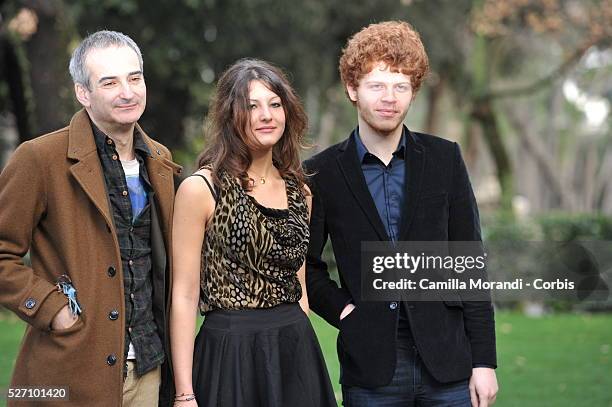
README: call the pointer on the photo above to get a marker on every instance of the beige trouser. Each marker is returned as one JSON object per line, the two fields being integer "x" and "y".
{"x": 141, "y": 391}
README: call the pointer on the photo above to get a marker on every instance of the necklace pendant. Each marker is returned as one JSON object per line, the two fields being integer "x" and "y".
{"x": 262, "y": 180}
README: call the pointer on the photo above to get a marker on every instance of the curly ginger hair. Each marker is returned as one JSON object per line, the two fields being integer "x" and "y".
{"x": 395, "y": 43}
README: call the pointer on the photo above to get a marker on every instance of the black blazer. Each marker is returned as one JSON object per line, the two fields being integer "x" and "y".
{"x": 451, "y": 336}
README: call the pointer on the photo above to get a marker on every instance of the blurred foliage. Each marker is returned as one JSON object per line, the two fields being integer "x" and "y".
{"x": 552, "y": 226}
{"x": 489, "y": 60}
{"x": 534, "y": 242}
{"x": 502, "y": 226}
{"x": 187, "y": 44}
{"x": 557, "y": 226}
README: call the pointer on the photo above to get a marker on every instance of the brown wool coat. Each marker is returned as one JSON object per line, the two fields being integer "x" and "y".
{"x": 54, "y": 203}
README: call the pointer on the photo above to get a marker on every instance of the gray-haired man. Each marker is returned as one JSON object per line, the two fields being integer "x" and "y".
{"x": 92, "y": 202}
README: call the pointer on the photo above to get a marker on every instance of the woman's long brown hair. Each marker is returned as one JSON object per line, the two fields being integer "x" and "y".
{"x": 228, "y": 119}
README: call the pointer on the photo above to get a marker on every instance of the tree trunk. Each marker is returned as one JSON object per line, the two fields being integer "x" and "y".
{"x": 589, "y": 184}
{"x": 48, "y": 53}
{"x": 12, "y": 71}
{"x": 433, "y": 105}
{"x": 603, "y": 186}
{"x": 484, "y": 114}
{"x": 545, "y": 161}
{"x": 8, "y": 139}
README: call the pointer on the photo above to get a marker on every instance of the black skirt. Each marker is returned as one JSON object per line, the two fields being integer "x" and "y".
{"x": 260, "y": 357}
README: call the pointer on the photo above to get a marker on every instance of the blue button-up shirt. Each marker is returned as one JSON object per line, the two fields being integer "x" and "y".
{"x": 386, "y": 183}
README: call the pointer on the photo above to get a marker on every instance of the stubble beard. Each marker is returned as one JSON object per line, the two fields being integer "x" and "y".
{"x": 381, "y": 126}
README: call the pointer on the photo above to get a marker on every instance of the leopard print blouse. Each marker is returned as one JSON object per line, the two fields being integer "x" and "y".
{"x": 251, "y": 254}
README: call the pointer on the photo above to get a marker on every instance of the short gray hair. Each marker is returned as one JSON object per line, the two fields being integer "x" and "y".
{"x": 98, "y": 40}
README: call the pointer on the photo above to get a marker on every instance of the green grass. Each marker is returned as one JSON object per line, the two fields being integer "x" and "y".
{"x": 558, "y": 360}
{"x": 11, "y": 331}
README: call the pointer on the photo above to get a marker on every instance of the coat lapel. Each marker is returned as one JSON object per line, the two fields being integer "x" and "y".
{"x": 415, "y": 165}
{"x": 161, "y": 174}
{"x": 161, "y": 177}
{"x": 87, "y": 171}
{"x": 353, "y": 175}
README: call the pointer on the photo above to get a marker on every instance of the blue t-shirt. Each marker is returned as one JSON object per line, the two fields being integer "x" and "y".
{"x": 138, "y": 194}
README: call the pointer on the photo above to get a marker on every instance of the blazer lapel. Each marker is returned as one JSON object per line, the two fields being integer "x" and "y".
{"x": 415, "y": 165}
{"x": 88, "y": 170}
{"x": 353, "y": 175}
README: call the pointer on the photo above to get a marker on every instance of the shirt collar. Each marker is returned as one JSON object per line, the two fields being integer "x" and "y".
{"x": 102, "y": 140}
{"x": 362, "y": 149}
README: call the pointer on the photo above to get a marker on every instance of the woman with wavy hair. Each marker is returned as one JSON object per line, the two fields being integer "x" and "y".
{"x": 240, "y": 239}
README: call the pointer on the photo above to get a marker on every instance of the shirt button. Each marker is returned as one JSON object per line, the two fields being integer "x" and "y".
{"x": 30, "y": 303}
{"x": 111, "y": 360}
{"x": 393, "y": 305}
{"x": 113, "y": 315}
{"x": 124, "y": 193}
{"x": 111, "y": 271}
{"x": 131, "y": 262}
{"x": 131, "y": 228}
{"x": 132, "y": 295}
{"x": 115, "y": 157}
{"x": 109, "y": 141}
{"x": 130, "y": 329}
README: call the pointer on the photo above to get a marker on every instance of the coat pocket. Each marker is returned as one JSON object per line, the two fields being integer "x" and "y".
{"x": 74, "y": 328}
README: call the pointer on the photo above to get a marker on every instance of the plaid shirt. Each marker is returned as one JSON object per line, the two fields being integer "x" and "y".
{"x": 134, "y": 236}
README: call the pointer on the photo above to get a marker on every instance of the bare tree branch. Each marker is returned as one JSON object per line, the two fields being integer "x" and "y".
{"x": 542, "y": 83}
{"x": 544, "y": 160}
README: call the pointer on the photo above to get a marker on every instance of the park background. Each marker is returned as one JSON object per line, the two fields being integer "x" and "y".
{"x": 524, "y": 86}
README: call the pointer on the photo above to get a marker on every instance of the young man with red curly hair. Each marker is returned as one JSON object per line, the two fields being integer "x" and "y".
{"x": 387, "y": 183}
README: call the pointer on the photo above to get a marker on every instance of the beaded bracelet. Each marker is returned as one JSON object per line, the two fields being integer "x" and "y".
{"x": 190, "y": 396}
